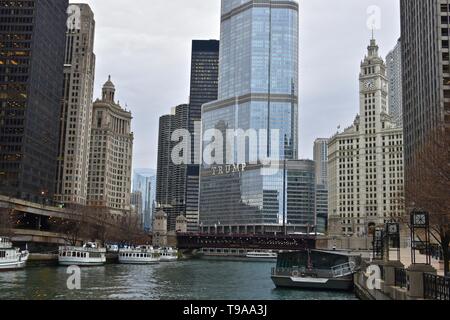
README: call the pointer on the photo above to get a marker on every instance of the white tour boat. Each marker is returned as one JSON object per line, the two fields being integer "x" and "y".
{"x": 139, "y": 255}
{"x": 169, "y": 254}
{"x": 262, "y": 256}
{"x": 11, "y": 258}
{"x": 87, "y": 255}
{"x": 235, "y": 254}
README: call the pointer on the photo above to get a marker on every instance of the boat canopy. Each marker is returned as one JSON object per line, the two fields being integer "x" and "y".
{"x": 310, "y": 259}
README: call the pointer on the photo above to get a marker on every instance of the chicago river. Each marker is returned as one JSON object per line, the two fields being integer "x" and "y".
{"x": 183, "y": 280}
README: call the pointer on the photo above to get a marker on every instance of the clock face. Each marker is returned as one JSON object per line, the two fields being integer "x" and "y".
{"x": 420, "y": 219}
{"x": 393, "y": 229}
{"x": 369, "y": 84}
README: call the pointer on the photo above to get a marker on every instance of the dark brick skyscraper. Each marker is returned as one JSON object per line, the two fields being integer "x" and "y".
{"x": 425, "y": 73}
{"x": 32, "y": 38}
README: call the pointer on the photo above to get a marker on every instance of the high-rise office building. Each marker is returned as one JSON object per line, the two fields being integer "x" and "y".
{"x": 171, "y": 177}
{"x": 365, "y": 167}
{"x": 321, "y": 208}
{"x": 426, "y": 74}
{"x": 110, "y": 159}
{"x": 394, "y": 75}
{"x": 258, "y": 89}
{"x": 32, "y": 37}
{"x": 136, "y": 204}
{"x": 321, "y": 162}
{"x": 301, "y": 195}
{"x": 204, "y": 87}
{"x": 76, "y": 107}
{"x": 144, "y": 181}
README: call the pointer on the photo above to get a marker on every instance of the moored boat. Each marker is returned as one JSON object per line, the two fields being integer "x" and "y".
{"x": 235, "y": 254}
{"x": 139, "y": 255}
{"x": 262, "y": 256}
{"x": 169, "y": 254}
{"x": 87, "y": 255}
{"x": 315, "y": 270}
{"x": 11, "y": 258}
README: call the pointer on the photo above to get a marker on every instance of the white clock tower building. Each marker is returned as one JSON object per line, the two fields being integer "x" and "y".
{"x": 365, "y": 168}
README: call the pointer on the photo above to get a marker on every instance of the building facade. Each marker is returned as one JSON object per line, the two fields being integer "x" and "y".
{"x": 365, "y": 168}
{"x": 76, "y": 107}
{"x": 111, "y": 153}
{"x": 32, "y": 36}
{"x": 321, "y": 208}
{"x": 204, "y": 88}
{"x": 136, "y": 204}
{"x": 394, "y": 75}
{"x": 258, "y": 90}
{"x": 144, "y": 181}
{"x": 301, "y": 196}
{"x": 171, "y": 177}
{"x": 321, "y": 162}
{"x": 426, "y": 77}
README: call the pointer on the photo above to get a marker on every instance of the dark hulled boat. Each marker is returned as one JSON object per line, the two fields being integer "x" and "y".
{"x": 315, "y": 270}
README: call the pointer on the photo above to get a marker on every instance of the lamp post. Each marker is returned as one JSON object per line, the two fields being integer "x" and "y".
{"x": 420, "y": 220}
{"x": 393, "y": 236}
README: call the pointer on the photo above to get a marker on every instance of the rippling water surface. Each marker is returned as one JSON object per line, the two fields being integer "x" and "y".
{"x": 193, "y": 279}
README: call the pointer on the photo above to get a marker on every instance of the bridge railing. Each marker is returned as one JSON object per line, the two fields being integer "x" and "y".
{"x": 257, "y": 241}
{"x": 436, "y": 287}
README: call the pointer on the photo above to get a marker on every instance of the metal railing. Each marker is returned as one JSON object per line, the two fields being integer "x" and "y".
{"x": 302, "y": 272}
{"x": 343, "y": 270}
{"x": 400, "y": 278}
{"x": 81, "y": 249}
{"x": 436, "y": 287}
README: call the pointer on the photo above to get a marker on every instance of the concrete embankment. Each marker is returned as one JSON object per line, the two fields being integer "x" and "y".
{"x": 42, "y": 259}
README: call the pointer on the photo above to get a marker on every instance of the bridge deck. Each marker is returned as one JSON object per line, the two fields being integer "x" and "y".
{"x": 259, "y": 241}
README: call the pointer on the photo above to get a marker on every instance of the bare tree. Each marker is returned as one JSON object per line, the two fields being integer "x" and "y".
{"x": 78, "y": 227}
{"x": 428, "y": 186}
{"x": 131, "y": 229}
{"x": 99, "y": 224}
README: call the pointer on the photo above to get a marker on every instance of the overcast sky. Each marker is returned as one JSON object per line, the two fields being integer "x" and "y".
{"x": 146, "y": 46}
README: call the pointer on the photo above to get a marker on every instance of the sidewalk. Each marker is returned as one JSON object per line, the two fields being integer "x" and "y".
{"x": 405, "y": 258}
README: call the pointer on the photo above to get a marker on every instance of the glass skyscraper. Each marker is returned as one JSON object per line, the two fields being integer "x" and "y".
{"x": 144, "y": 182}
{"x": 258, "y": 89}
{"x": 32, "y": 41}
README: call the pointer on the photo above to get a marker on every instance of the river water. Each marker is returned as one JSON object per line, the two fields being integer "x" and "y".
{"x": 183, "y": 280}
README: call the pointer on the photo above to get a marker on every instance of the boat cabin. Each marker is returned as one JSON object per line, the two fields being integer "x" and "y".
{"x": 5, "y": 242}
{"x": 314, "y": 260}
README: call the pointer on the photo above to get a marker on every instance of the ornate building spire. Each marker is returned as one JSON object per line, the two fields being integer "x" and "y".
{"x": 108, "y": 91}
{"x": 373, "y": 48}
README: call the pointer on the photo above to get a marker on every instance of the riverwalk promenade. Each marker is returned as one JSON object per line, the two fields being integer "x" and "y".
{"x": 402, "y": 280}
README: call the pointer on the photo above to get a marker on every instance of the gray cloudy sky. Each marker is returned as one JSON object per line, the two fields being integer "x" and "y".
{"x": 145, "y": 45}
